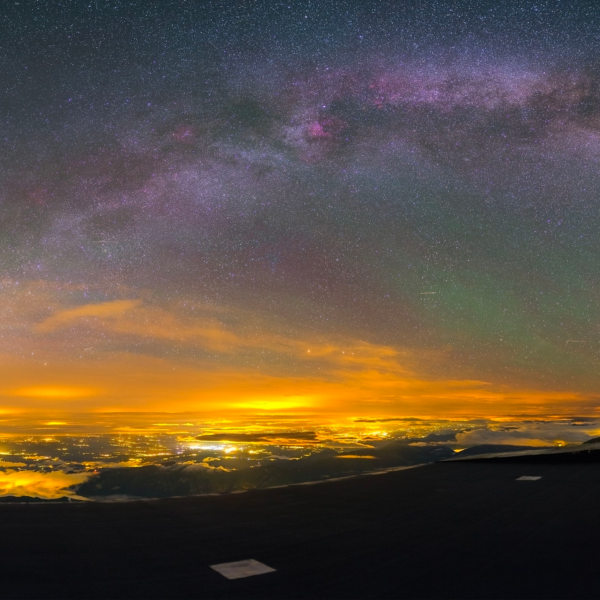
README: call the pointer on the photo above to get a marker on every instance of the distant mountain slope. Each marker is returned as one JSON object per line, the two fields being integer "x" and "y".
{"x": 495, "y": 448}
{"x": 29, "y": 499}
{"x": 588, "y": 452}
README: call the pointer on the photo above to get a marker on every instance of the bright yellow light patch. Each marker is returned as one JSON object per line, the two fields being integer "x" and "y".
{"x": 54, "y": 392}
{"x": 277, "y": 403}
{"x": 43, "y": 485}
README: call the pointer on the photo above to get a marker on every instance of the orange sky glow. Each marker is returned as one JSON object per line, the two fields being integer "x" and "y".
{"x": 134, "y": 355}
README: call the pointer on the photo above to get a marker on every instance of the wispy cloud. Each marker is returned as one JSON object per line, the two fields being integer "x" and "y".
{"x": 103, "y": 310}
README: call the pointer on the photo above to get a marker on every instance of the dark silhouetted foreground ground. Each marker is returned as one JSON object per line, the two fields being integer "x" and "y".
{"x": 447, "y": 530}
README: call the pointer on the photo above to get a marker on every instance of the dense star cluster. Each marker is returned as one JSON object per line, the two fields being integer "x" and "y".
{"x": 359, "y": 207}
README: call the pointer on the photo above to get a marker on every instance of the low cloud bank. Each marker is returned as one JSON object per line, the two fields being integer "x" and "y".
{"x": 303, "y": 436}
{"x": 533, "y": 435}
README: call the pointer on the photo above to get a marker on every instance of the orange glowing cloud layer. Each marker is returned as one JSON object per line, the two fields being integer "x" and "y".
{"x": 133, "y": 383}
{"x": 133, "y": 354}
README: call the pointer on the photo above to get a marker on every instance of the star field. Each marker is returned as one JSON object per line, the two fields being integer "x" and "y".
{"x": 354, "y": 208}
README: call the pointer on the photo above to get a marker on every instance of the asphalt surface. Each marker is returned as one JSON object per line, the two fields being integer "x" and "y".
{"x": 446, "y": 530}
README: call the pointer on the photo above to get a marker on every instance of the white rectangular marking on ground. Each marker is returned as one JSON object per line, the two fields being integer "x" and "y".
{"x": 242, "y": 568}
{"x": 529, "y": 478}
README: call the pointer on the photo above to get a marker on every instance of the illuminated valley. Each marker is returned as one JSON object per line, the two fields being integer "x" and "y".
{"x": 224, "y": 457}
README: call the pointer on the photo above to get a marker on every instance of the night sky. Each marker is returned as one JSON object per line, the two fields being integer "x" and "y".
{"x": 300, "y": 209}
